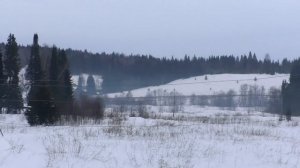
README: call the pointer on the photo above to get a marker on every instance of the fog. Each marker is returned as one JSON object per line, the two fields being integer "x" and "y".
{"x": 158, "y": 27}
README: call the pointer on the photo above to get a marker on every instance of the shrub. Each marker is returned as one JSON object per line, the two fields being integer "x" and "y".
{"x": 89, "y": 107}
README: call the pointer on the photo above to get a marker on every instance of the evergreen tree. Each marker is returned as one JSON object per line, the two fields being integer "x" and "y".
{"x": 61, "y": 83}
{"x": 53, "y": 71}
{"x": 68, "y": 90}
{"x": 90, "y": 85}
{"x": 291, "y": 92}
{"x": 66, "y": 81}
{"x": 13, "y": 96}
{"x": 60, "y": 75}
{"x": 41, "y": 107}
{"x": 34, "y": 70}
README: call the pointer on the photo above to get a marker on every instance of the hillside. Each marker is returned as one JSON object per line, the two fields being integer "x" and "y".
{"x": 214, "y": 84}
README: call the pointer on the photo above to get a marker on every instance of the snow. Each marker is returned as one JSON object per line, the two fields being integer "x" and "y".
{"x": 204, "y": 137}
{"x": 24, "y": 84}
{"x": 214, "y": 84}
{"x": 4, "y": 144}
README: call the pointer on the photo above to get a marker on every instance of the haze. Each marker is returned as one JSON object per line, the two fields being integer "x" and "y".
{"x": 158, "y": 27}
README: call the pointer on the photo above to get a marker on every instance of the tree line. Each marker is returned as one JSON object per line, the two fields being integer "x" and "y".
{"x": 121, "y": 72}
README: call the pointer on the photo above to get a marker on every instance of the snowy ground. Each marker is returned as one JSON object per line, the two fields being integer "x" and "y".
{"x": 214, "y": 83}
{"x": 195, "y": 138}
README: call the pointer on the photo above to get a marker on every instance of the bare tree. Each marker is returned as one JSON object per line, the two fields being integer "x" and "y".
{"x": 243, "y": 98}
{"x": 275, "y": 103}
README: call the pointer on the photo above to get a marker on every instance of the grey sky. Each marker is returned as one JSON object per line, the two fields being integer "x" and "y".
{"x": 158, "y": 27}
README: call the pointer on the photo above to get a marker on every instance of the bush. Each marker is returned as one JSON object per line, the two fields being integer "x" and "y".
{"x": 89, "y": 107}
{"x": 142, "y": 111}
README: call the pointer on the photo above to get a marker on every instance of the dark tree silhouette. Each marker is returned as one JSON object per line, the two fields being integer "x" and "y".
{"x": 41, "y": 109}
{"x": 291, "y": 92}
{"x": 13, "y": 96}
{"x": 61, "y": 83}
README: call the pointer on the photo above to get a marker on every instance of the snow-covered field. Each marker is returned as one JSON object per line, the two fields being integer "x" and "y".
{"x": 214, "y": 83}
{"x": 195, "y": 138}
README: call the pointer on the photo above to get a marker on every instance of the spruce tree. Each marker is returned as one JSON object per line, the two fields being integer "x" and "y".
{"x": 41, "y": 109}
{"x": 55, "y": 85}
{"x": 34, "y": 70}
{"x": 53, "y": 70}
{"x": 66, "y": 81}
{"x": 53, "y": 74}
{"x": 65, "y": 77}
{"x": 61, "y": 83}
{"x": 13, "y": 96}
{"x": 290, "y": 92}
{"x": 68, "y": 90}
{"x": 68, "y": 93}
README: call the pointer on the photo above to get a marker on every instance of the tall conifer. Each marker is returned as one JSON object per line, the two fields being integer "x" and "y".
{"x": 13, "y": 96}
{"x": 61, "y": 83}
{"x": 41, "y": 109}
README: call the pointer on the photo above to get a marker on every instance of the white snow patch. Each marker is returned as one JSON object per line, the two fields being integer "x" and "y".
{"x": 4, "y": 145}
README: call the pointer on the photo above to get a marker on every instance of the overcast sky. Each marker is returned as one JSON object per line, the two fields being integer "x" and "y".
{"x": 158, "y": 27}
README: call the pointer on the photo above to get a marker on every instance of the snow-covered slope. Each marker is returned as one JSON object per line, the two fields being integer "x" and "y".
{"x": 215, "y": 83}
{"x": 97, "y": 78}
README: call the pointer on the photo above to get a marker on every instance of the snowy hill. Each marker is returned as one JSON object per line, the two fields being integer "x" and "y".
{"x": 214, "y": 83}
